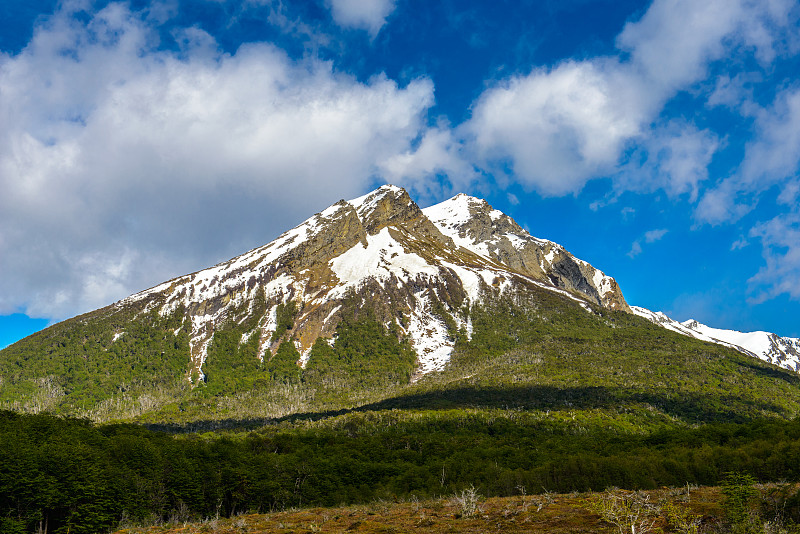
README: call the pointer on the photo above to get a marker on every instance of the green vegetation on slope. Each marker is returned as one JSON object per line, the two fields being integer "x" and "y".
{"x": 532, "y": 350}
{"x": 364, "y": 356}
{"x": 74, "y": 365}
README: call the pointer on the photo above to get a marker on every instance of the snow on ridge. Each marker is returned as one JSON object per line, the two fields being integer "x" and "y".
{"x": 376, "y": 193}
{"x": 759, "y": 344}
{"x": 365, "y": 204}
{"x": 380, "y": 259}
{"x": 661, "y": 319}
{"x": 452, "y": 212}
{"x": 449, "y": 216}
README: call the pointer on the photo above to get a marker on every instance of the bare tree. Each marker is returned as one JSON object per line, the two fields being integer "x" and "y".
{"x": 630, "y": 511}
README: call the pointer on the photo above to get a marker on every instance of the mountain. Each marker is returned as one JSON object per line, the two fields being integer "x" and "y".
{"x": 381, "y": 246}
{"x": 376, "y": 301}
{"x": 781, "y": 351}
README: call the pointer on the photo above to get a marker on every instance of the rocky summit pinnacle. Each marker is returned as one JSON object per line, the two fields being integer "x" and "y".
{"x": 408, "y": 261}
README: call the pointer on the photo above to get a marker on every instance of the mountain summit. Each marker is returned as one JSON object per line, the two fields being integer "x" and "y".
{"x": 383, "y": 247}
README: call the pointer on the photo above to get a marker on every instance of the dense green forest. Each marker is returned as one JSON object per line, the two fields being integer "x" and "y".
{"x": 75, "y": 477}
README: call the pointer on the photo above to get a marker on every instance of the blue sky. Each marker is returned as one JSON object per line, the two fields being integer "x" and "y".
{"x": 660, "y": 141}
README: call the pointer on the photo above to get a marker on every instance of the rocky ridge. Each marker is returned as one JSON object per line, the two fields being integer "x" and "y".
{"x": 408, "y": 262}
{"x": 781, "y": 351}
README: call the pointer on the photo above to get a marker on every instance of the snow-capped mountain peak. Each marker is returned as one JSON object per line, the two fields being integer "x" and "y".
{"x": 383, "y": 248}
{"x": 473, "y": 224}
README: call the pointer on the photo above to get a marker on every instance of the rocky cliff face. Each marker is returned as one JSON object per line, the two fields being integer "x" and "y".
{"x": 383, "y": 248}
{"x": 475, "y": 225}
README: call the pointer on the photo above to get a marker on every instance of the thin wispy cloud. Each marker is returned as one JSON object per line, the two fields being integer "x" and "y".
{"x": 651, "y": 236}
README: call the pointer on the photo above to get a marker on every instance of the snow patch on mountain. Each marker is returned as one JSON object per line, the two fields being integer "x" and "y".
{"x": 380, "y": 259}
{"x": 429, "y": 337}
{"x": 366, "y": 204}
{"x": 472, "y": 280}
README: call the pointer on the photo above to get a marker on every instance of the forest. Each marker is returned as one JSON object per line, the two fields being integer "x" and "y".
{"x": 73, "y": 476}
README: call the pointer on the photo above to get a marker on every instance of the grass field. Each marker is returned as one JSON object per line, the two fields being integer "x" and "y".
{"x": 670, "y": 510}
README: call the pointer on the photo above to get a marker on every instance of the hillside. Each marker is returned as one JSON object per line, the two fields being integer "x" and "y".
{"x": 772, "y": 348}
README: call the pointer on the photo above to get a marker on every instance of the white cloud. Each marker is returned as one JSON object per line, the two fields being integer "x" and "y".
{"x": 721, "y": 204}
{"x": 775, "y": 154}
{"x": 436, "y": 154}
{"x": 636, "y": 249}
{"x": 780, "y": 239}
{"x": 771, "y": 158}
{"x": 651, "y": 236}
{"x": 121, "y": 165}
{"x": 739, "y": 244}
{"x": 670, "y": 46}
{"x": 557, "y": 128}
{"x": 790, "y": 193}
{"x": 674, "y": 157}
{"x": 733, "y": 92}
{"x": 369, "y": 15}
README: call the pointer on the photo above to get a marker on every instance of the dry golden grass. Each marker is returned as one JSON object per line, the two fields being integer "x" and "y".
{"x": 532, "y": 513}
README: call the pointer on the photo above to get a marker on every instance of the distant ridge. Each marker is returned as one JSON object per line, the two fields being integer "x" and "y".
{"x": 781, "y": 351}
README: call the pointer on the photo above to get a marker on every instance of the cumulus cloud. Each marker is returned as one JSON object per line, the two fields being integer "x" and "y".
{"x": 559, "y": 127}
{"x": 121, "y": 165}
{"x": 775, "y": 154}
{"x": 771, "y": 158}
{"x": 674, "y": 158}
{"x": 369, "y": 15}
